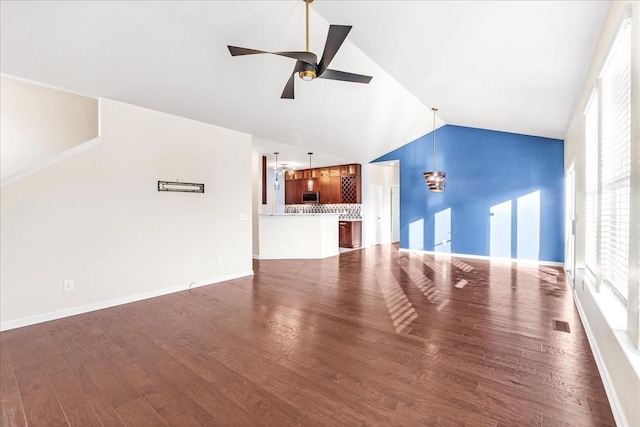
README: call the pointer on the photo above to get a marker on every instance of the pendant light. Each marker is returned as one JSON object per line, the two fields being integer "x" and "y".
{"x": 435, "y": 179}
{"x": 276, "y": 183}
{"x": 310, "y": 182}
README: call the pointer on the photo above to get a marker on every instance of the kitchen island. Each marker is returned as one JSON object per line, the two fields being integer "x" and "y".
{"x": 298, "y": 235}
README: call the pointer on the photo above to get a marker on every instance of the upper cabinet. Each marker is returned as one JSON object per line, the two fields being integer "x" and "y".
{"x": 350, "y": 170}
{"x": 336, "y": 184}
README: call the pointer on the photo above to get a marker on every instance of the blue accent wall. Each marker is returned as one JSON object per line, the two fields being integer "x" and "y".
{"x": 484, "y": 169}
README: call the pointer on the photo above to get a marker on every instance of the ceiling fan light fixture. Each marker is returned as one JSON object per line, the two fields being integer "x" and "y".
{"x": 307, "y": 75}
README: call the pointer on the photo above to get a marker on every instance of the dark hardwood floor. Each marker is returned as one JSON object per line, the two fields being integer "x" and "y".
{"x": 372, "y": 337}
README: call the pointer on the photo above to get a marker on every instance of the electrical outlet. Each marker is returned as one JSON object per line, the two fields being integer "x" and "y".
{"x": 208, "y": 263}
{"x": 220, "y": 260}
{"x": 67, "y": 285}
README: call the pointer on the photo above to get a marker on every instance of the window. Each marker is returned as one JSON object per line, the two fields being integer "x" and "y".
{"x": 591, "y": 184}
{"x": 615, "y": 162}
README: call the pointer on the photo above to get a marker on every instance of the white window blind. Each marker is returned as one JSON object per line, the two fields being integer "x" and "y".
{"x": 616, "y": 142}
{"x": 591, "y": 183}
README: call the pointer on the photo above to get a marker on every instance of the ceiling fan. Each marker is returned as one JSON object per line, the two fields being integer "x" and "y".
{"x": 307, "y": 65}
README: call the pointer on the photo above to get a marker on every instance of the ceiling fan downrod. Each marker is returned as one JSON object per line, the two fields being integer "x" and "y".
{"x": 308, "y": 74}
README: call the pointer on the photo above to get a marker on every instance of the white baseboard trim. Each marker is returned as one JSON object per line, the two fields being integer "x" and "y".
{"x": 616, "y": 407}
{"x": 485, "y": 258}
{"x": 266, "y": 258}
{"x": 73, "y": 311}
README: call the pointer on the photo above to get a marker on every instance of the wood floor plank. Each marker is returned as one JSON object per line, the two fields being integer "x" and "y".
{"x": 11, "y": 407}
{"x": 100, "y": 403}
{"x": 75, "y": 405}
{"x": 174, "y": 408}
{"x": 370, "y": 337}
{"x": 41, "y": 405}
{"x": 111, "y": 383}
{"x": 139, "y": 413}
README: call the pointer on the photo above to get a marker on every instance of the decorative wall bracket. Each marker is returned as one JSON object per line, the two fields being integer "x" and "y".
{"x": 182, "y": 187}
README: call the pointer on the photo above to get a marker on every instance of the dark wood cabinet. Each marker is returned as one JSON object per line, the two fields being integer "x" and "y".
{"x": 289, "y": 192}
{"x": 350, "y": 170}
{"x": 330, "y": 190}
{"x": 300, "y": 186}
{"x": 349, "y": 234}
{"x": 336, "y": 184}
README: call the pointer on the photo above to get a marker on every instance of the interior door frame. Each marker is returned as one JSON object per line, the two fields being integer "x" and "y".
{"x": 570, "y": 222}
{"x": 394, "y": 189}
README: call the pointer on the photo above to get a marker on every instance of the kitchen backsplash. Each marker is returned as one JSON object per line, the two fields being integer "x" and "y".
{"x": 346, "y": 210}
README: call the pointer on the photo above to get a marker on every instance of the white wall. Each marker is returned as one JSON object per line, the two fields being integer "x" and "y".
{"x": 98, "y": 219}
{"x": 39, "y": 122}
{"x": 611, "y": 334}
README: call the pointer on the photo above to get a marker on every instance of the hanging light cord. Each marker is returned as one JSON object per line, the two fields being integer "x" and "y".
{"x": 434, "y": 138}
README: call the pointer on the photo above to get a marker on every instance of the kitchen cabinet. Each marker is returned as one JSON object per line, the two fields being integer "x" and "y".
{"x": 350, "y": 170}
{"x": 293, "y": 189}
{"x": 299, "y": 187}
{"x": 349, "y": 234}
{"x": 289, "y": 192}
{"x": 336, "y": 184}
{"x": 330, "y": 190}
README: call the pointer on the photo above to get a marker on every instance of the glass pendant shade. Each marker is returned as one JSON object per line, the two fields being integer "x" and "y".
{"x": 310, "y": 181}
{"x": 276, "y": 170}
{"x": 435, "y": 179}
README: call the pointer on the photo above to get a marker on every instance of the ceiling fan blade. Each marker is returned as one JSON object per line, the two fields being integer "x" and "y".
{"x": 344, "y": 76}
{"x": 237, "y": 51}
{"x": 308, "y": 57}
{"x": 335, "y": 38}
{"x": 287, "y": 93}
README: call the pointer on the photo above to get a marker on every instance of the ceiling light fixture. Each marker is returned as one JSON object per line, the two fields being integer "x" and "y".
{"x": 276, "y": 183}
{"x": 310, "y": 182}
{"x": 435, "y": 179}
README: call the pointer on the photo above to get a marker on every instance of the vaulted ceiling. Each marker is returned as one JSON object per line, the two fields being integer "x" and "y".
{"x": 515, "y": 66}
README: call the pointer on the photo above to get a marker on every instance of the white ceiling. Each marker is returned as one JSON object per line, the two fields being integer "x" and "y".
{"x": 515, "y": 66}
